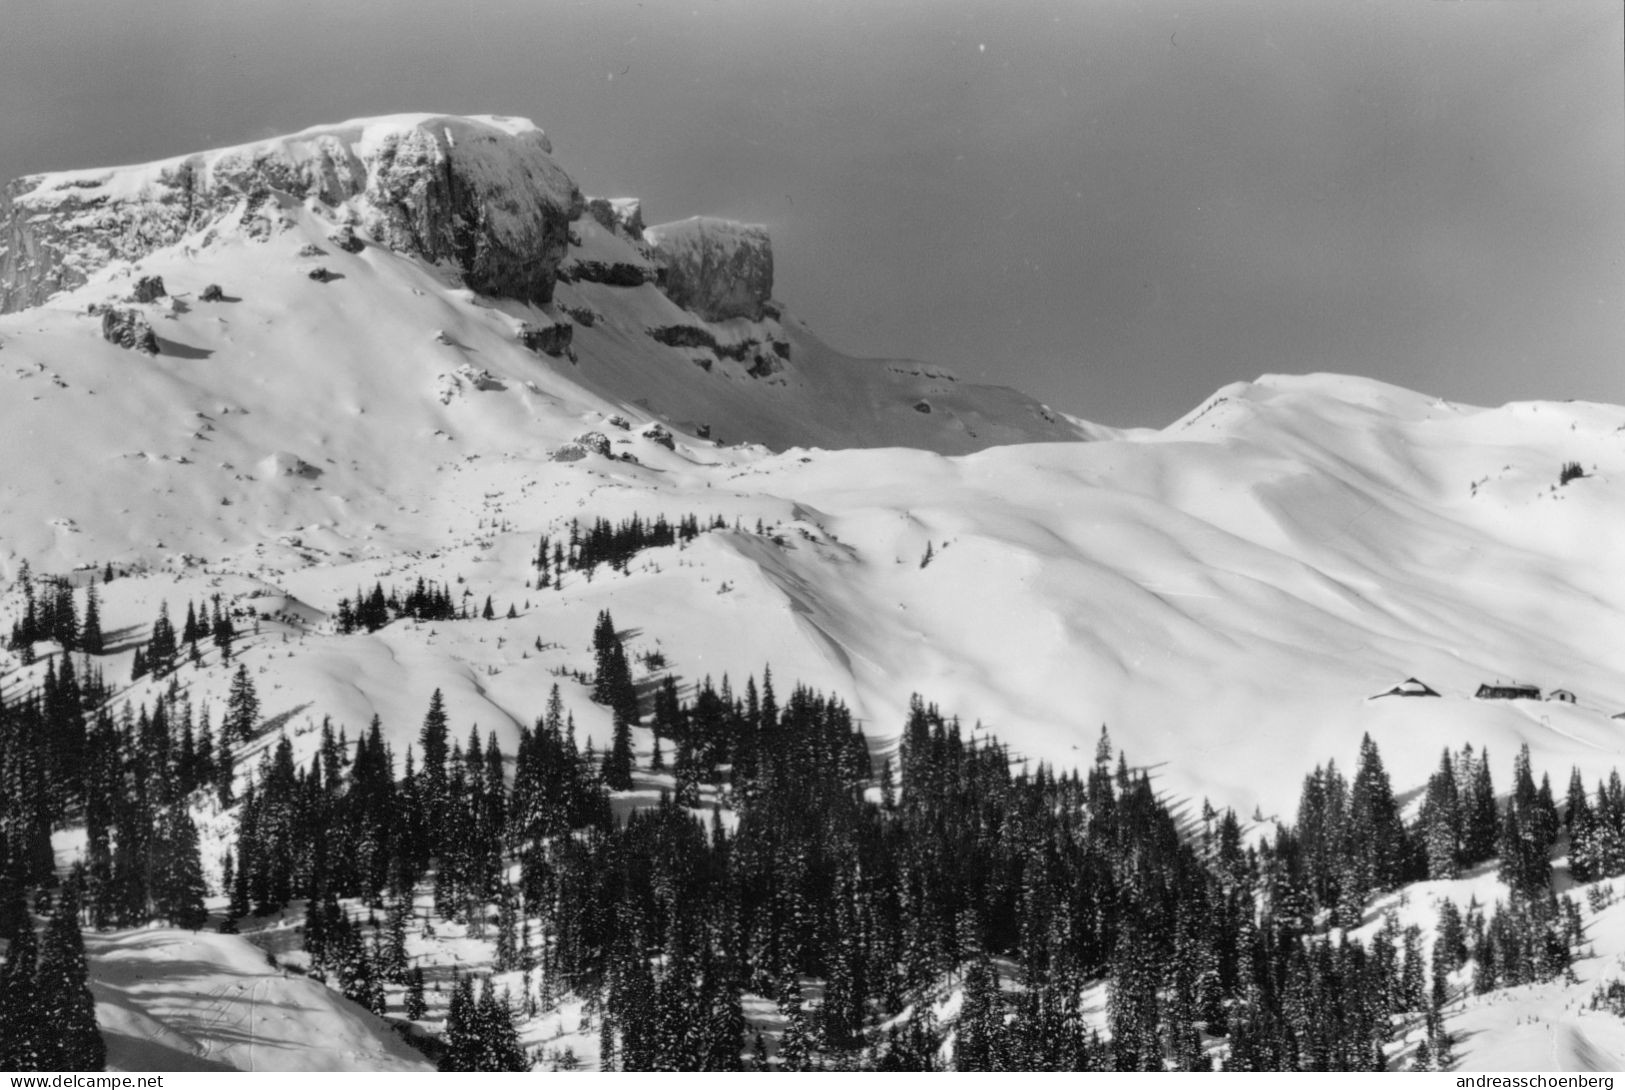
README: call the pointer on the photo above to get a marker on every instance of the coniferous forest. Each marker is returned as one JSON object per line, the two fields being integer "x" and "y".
{"x": 790, "y": 859}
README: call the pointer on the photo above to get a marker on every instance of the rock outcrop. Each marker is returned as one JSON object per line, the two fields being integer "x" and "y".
{"x": 128, "y": 328}
{"x": 591, "y": 442}
{"x": 551, "y": 340}
{"x": 617, "y": 274}
{"x": 622, "y": 260}
{"x": 345, "y": 239}
{"x": 148, "y": 289}
{"x": 716, "y": 268}
{"x": 766, "y": 359}
{"x": 481, "y": 194}
{"x": 623, "y": 215}
{"x": 659, "y": 433}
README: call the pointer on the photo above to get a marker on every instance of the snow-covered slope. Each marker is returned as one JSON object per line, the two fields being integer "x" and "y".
{"x": 171, "y": 1000}
{"x": 1226, "y": 595}
{"x": 1236, "y": 584}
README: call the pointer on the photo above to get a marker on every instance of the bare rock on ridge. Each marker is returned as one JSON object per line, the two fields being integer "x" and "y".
{"x": 716, "y": 268}
{"x": 552, "y": 340}
{"x": 623, "y": 215}
{"x": 481, "y": 194}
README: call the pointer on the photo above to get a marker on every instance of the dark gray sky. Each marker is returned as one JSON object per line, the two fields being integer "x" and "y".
{"x": 1116, "y": 206}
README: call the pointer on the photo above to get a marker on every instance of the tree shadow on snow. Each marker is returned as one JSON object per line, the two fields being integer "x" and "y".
{"x": 276, "y": 723}
{"x": 121, "y": 639}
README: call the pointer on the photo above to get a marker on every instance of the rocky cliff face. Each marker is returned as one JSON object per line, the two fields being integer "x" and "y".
{"x": 716, "y": 268}
{"x": 479, "y": 194}
{"x": 482, "y": 194}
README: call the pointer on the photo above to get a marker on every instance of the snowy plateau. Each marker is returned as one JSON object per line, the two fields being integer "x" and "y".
{"x": 409, "y": 349}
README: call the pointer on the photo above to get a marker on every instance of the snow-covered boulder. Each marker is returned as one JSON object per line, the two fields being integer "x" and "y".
{"x": 345, "y": 239}
{"x": 588, "y": 442}
{"x": 480, "y": 194}
{"x": 128, "y": 328}
{"x": 716, "y": 268}
{"x": 659, "y": 433}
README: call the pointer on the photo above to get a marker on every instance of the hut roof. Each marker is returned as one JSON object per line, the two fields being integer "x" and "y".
{"x": 1409, "y": 687}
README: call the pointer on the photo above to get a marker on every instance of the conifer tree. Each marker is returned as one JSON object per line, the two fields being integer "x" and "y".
{"x": 1480, "y": 824}
{"x": 618, "y": 758}
{"x": 461, "y": 1038}
{"x": 65, "y": 1003}
{"x": 25, "y": 1035}
{"x": 1582, "y": 826}
{"x": 796, "y": 1043}
{"x": 432, "y": 740}
{"x": 612, "y": 679}
{"x": 1376, "y": 832}
{"x": 178, "y": 888}
{"x": 222, "y": 632}
{"x": 242, "y": 707}
{"x": 507, "y": 945}
{"x": 1441, "y": 821}
{"x": 393, "y": 961}
{"x": 499, "y": 1048}
{"x": 1527, "y": 827}
{"x": 161, "y": 645}
{"x": 190, "y": 631}
{"x": 978, "y": 1045}
{"x": 1132, "y": 1003}
{"x": 64, "y": 627}
{"x": 416, "y": 1006}
{"x": 90, "y": 635}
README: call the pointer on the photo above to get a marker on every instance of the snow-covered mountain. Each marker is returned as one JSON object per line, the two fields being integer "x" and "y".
{"x": 455, "y": 247}
{"x": 426, "y": 349}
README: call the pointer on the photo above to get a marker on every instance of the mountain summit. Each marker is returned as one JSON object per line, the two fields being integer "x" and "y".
{"x": 675, "y": 321}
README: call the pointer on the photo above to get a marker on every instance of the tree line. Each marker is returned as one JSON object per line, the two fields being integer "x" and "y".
{"x": 788, "y": 853}
{"x": 612, "y": 543}
{"x": 880, "y": 880}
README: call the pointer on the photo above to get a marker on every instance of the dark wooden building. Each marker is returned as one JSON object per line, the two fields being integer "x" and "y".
{"x": 1508, "y": 692}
